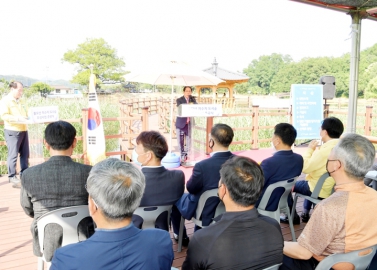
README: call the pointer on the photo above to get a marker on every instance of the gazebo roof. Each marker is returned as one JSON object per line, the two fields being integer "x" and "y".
{"x": 226, "y": 75}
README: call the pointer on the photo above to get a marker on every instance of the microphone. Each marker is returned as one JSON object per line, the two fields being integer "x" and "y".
{"x": 303, "y": 143}
{"x": 192, "y": 99}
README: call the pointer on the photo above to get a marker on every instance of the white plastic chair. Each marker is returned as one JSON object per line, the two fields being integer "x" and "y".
{"x": 361, "y": 262}
{"x": 372, "y": 175}
{"x": 149, "y": 214}
{"x": 283, "y": 204}
{"x": 273, "y": 267}
{"x": 314, "y": 197}
{"x": 199, "y": 209}
{"x": 68, "y": 218}
{"x": 202, "y": 201}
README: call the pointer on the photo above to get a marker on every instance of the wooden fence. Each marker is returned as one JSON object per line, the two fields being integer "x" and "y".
{"x": 131, "y": 124}
{"x": 134, "y": 119}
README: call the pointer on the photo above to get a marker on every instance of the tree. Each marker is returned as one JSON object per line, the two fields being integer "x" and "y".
{"x": 38, "y": 88}
{"x": 107, "y": 66}
{"x": 263, "y": 70}
{"x": 371, "y": 76}
{"x": 4, "y": 86}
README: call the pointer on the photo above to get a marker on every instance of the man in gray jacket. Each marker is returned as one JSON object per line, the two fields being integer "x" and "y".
{"x": 56, "y": 183}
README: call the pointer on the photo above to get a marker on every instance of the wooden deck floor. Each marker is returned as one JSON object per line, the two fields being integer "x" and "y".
{"x": 15, "y": 236}
{"x": 16, "y": 241}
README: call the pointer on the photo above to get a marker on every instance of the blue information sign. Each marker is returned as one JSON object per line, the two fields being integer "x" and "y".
{"x": 307, "y": 109}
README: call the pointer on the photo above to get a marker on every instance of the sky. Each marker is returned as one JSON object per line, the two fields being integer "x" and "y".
{"x": 35, "y": 34}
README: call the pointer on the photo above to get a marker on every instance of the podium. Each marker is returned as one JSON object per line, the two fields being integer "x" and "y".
{"x": 194, "y": 152}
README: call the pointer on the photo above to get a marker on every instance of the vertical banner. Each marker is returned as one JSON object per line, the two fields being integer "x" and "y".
{"x": 96, "y": 147}
{"x": 307, "y": 108}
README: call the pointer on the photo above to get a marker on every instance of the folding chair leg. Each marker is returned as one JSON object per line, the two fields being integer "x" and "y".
{"x": 180, "y": 234}
{"x": 290, "y": 219}
{"x": 40, "y": 263}
{"x": 294, "y": 205}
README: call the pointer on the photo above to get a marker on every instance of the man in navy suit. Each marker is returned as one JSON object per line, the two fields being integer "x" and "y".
{"x": 162, "y": 187}
{"x": 205, "y": 176}
{"x": 182, "y": 123}
{"x": 283, "y": 165}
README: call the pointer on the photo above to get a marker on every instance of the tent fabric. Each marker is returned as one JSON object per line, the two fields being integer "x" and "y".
{"x": 369, "y": 6}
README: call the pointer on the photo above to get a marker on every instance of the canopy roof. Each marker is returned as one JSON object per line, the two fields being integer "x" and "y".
{"x": 226, "y": 75}
{"x": 369, "y": 7}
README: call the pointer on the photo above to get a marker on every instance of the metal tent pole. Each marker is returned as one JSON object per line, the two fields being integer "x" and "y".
{"x": 354, "y": 72}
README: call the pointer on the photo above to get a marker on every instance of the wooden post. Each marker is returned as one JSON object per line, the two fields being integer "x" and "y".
{"x": 368, "y": 120}
{"x": 208, "y": 132}
{"x": 144, "y": 119}
{"x": 326, "y": 110}
{"x": 84, "y": 124}
{"x": 129, "y": 113}
{"x": 255, "y": 129}
{"x": 159, "y": 104}
{"x": 122, "y": 114}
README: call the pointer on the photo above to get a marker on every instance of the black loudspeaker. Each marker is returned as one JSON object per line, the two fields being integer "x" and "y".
{"x": 328, "y": 83}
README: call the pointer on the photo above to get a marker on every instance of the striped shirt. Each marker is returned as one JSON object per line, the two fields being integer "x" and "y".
{"x": 344, "y": 222}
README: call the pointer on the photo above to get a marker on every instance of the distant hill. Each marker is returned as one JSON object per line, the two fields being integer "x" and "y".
{"x": 26, "y": 81}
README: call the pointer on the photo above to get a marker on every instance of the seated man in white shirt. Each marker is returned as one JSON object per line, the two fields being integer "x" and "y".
{"x": 344, "y": 221}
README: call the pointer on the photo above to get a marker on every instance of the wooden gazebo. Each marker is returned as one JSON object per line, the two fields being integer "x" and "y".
{"x": 230, "y": 78}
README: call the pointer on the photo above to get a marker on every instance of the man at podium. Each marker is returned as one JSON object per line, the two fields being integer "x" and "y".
{"x": 182, "y": 123}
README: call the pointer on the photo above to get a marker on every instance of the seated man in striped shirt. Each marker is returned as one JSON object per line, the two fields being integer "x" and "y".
{"x": 344, "y": 221}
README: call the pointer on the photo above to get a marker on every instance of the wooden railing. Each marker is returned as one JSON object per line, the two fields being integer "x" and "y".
{"x": 163, "y": 111}
{"x": 257, "y": 112}
{"x": 131, "y": 124}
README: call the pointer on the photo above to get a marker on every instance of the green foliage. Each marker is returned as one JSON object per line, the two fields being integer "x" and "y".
{"x": 107, "y": 66}
{"x": 263, "y": 70}
{"x": 276, "y": 73}
{"x": 4, "y": 86}
{"x": 38, "y": 88}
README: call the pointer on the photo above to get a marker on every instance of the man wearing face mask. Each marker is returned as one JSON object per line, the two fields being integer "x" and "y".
{"x": 283, "y": 165}
{"x": 345, "y": 221}
{"x": 14, "y": 113}
{"x": 205, "y": 176}
{"x": 315, "y": 165}
{"x": 162, "y": 186}
{"x": 241, "y": 239}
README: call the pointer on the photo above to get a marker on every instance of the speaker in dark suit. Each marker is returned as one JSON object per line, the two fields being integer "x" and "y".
{"x": 162, "y": 186}
{"x": 56, "y": 183}
{"x": 182, "y": 123}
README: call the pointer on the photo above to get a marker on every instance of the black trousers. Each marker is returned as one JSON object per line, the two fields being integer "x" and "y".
{"x": 17, "y": 143}
{"x": 295, "y": 264}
